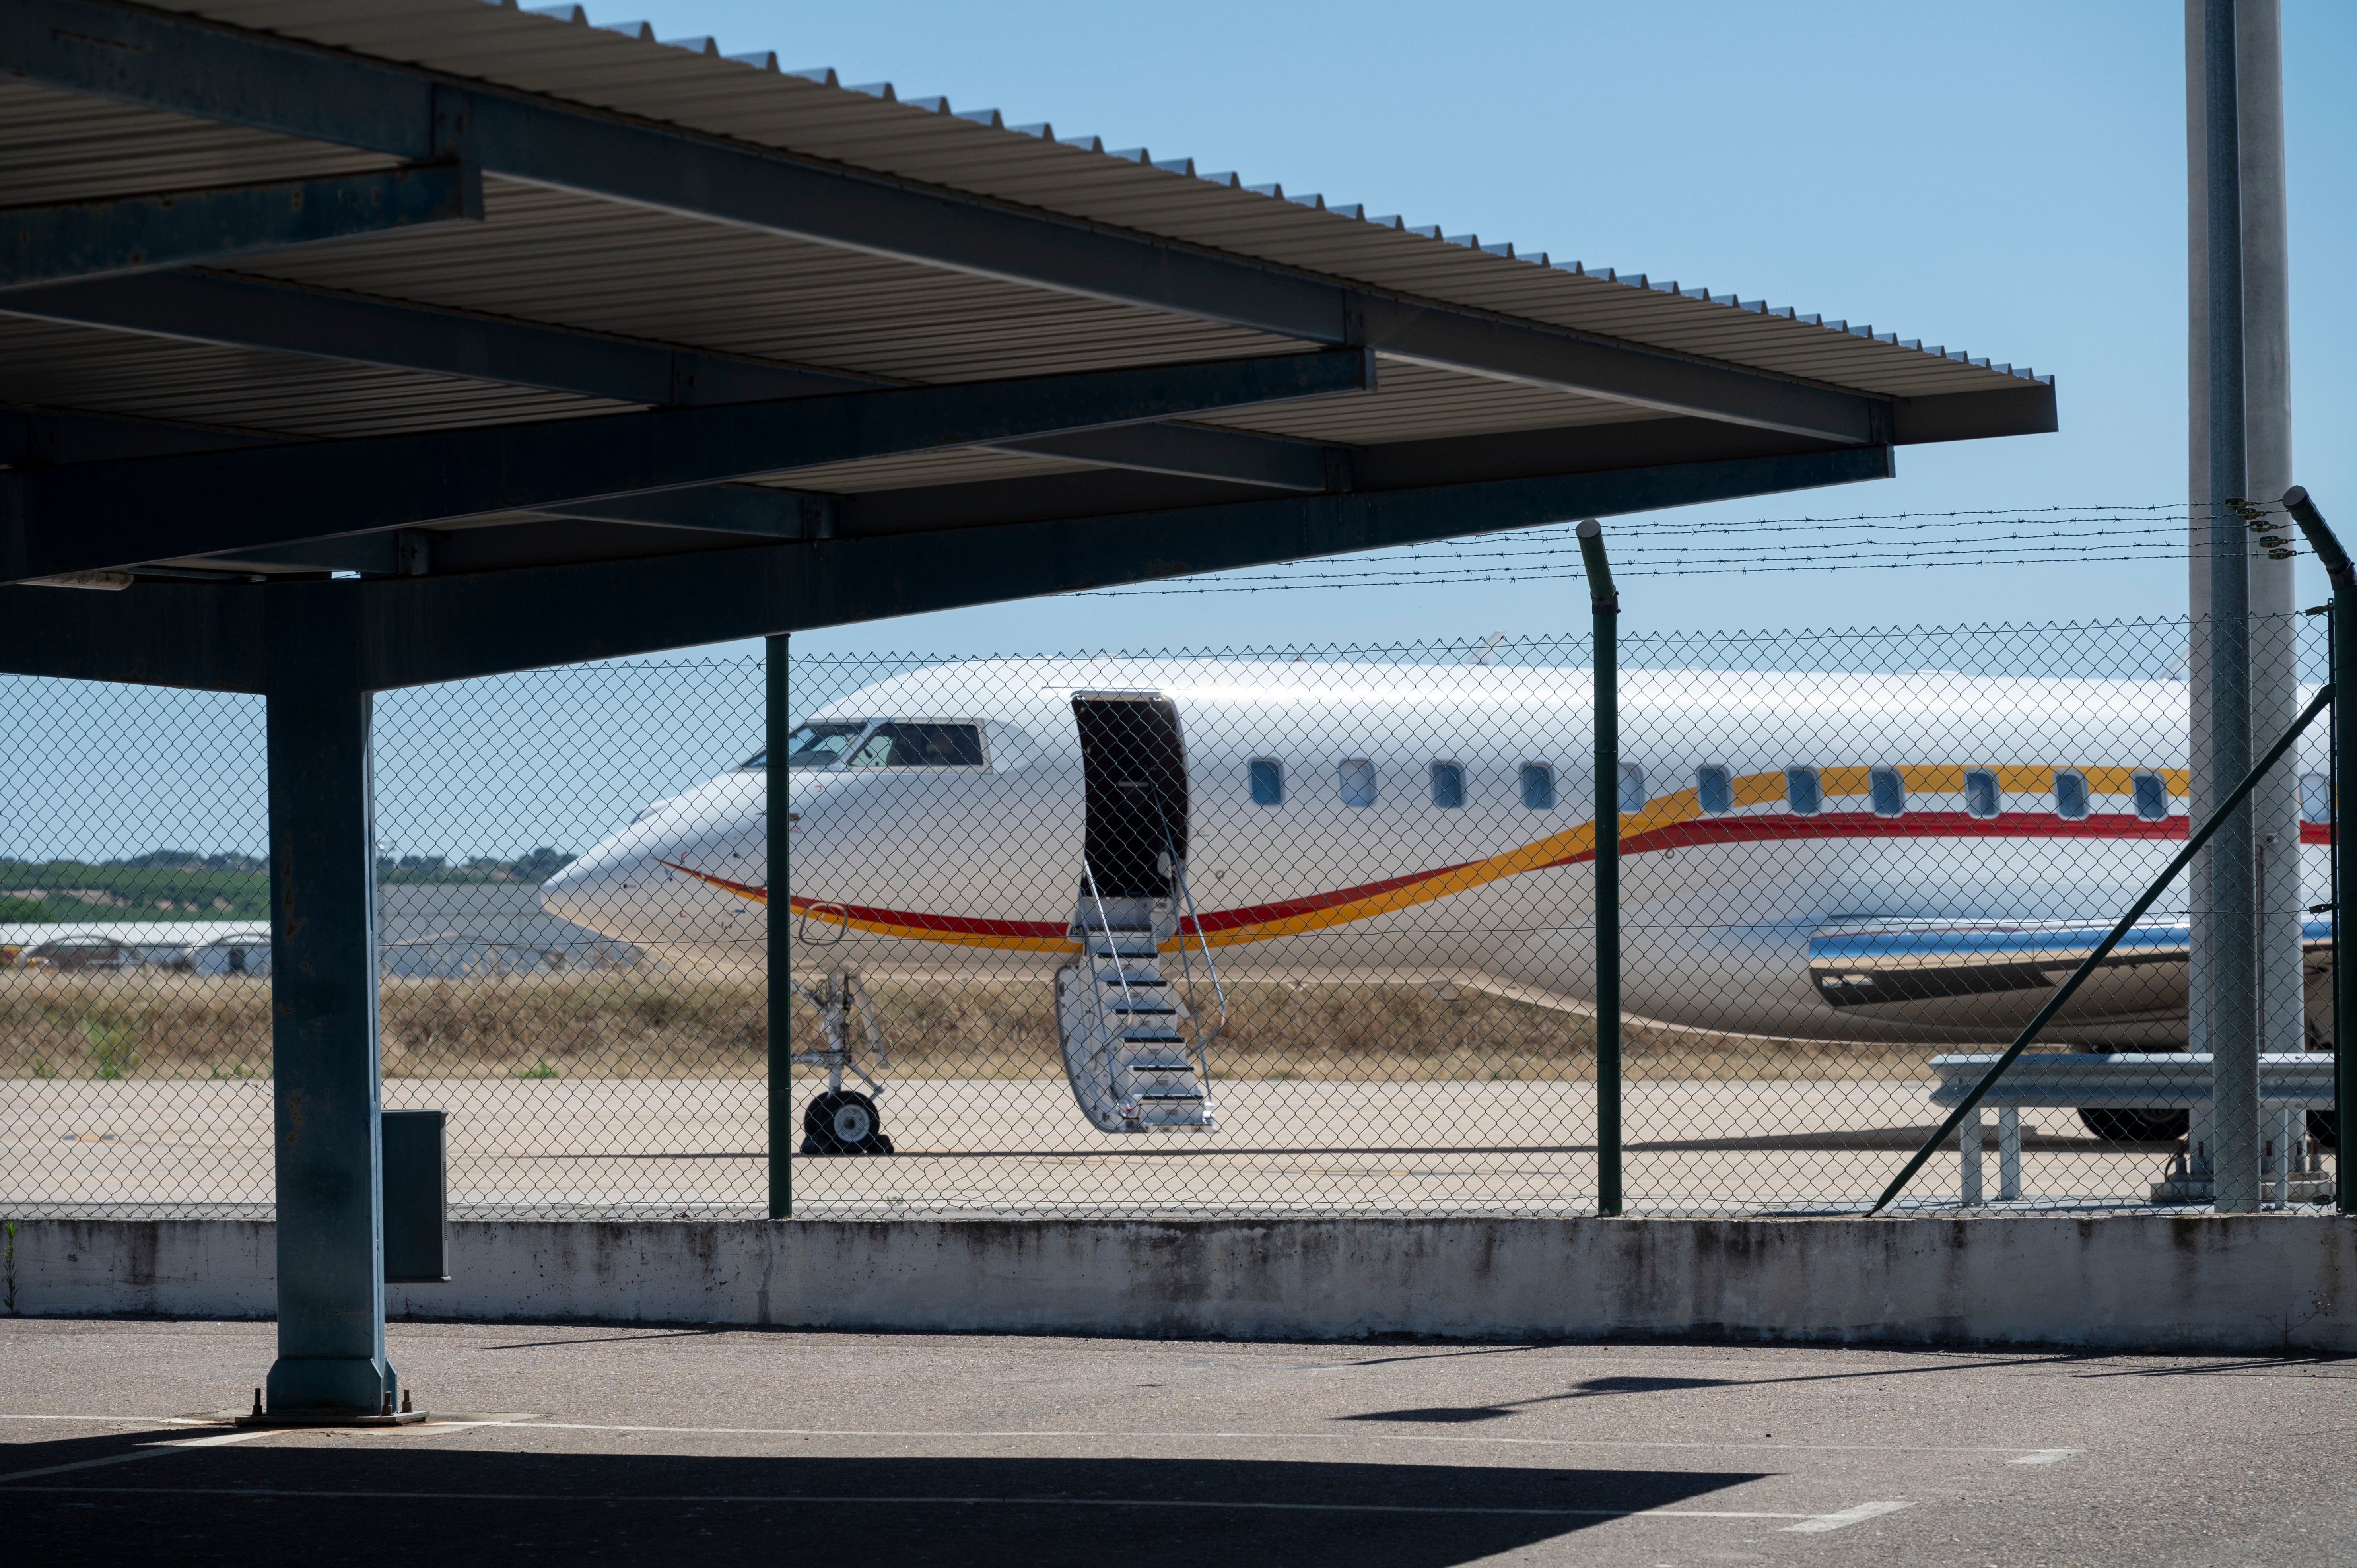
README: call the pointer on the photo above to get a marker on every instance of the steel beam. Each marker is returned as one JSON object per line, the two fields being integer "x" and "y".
{"x": 97, "y": 516}
{"x": 395, "y": 552}
{"x": 420, "y": 631}
{"x": 288, "y": 318}
{"x": 767, "y": 512}
{"x": 193, "y": 68}
{"x": 137, "y": 233}
{"x": 754, "y": 509}
{"x": 198, "y": 637}
{"x": 449, "y": 628}
{"x": 34, "y": 437}
{"x": 323, "y": 1004}
{"x": 1194, "y": 451}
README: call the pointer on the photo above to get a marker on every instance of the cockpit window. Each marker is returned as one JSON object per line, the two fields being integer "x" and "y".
{"x": 901, "y": 743}
{"x": 816, "y": 745}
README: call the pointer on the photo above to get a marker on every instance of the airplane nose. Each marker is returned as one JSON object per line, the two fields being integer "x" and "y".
{"x": 591, "y": 892}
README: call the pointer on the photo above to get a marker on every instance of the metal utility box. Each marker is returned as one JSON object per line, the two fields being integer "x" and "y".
{"x": 416, "y": 1192}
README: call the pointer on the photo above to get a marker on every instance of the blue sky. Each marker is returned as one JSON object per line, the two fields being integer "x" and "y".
{"x": 2003, "y": 177}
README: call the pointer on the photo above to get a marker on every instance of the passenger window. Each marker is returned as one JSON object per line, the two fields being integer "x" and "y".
{"x": 1981, "y": 797}
{"x": 1801, "y": 792}
{"x": 1632, "y": 788}
{"x": 898, "y": 744}
{"x": 1715, "y": 789}
{"x": 2151, "y": 797}
{"x": 1886, "y": 791}
{"x": 2071, "y": 795}
{"x": 2315, "y": 798}
{"x": 1447, "y": 786}
{"x": 1267, "y": 775}
{"x": 1538, "y": 787}
{"x": 1357, "y": 781}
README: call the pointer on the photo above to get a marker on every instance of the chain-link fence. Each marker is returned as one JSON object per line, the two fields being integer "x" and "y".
{"x": 1278, "y": 931}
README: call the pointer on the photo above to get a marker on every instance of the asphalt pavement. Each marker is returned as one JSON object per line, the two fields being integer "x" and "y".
{"x": 646, "y": 1444}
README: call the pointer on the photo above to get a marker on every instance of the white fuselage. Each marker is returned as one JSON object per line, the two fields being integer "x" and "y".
{"x": 1727, "y": 876}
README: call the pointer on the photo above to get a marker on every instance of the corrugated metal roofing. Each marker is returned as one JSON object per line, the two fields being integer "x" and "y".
{"x": 559, "y": 52}
{"x": 567, "y": 259}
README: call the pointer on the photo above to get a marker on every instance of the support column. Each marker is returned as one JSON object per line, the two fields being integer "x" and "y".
{"x": 778, "y": 920}
{"x": 324, "y": 1010}
{"x": 2266, "y": 423}
{"x": 2233, "y": 926}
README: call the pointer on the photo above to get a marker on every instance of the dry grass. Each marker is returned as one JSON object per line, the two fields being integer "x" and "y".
{"x": 151, "y": 1025}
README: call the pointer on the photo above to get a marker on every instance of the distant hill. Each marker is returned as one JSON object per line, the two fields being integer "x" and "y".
{"x": 181, "y": 884}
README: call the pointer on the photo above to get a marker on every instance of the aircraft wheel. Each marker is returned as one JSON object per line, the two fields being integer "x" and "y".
{"x": 841, "y": 1121}
{"x": 2136, "y": 1126}
{"x": 2324, "y": 1126}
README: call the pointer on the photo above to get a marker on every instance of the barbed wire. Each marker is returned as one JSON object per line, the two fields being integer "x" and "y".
{"x": 2092, "y": 534}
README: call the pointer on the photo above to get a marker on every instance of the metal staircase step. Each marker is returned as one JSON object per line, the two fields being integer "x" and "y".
{"x": 1125, "y": 1027}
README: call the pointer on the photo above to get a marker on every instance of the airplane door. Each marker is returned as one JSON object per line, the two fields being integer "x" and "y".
{"x": 1134, "y": 769}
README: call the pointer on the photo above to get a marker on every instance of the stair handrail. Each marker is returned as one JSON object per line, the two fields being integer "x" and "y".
{"x": 1186, "y": 967}
{"x": 1120, "y": 967}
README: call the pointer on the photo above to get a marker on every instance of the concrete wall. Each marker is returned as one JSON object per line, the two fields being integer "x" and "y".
{"x": 2179, "y": 1284}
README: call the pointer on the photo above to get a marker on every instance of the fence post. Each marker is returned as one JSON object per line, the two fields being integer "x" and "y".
{"x": 2343, "y": 787}
{"x": 778, "y": 917}
{"x": 1606, "y": 604}
{"x": 2343, "y": 574}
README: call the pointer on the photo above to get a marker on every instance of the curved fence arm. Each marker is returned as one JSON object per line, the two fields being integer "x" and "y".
{"x": 1972, "y": 1102}
{"x": 2343, "y": 575}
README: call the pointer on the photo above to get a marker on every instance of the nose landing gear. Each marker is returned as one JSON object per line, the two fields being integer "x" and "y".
{"x": 841, "y": 1121}
{"x": 844, "y": 1123}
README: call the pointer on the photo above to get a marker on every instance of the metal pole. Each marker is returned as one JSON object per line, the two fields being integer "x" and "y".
{"x": 1606, "y": 603}
{"x": 323, "y": 1004}
{"x": 2267, "y": 472}
{"x": 778, "y": 917}
{"x": 2232, "y": 935}
{"x": 2343, "y": 575}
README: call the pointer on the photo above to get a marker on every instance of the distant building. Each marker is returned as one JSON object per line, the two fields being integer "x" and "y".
{"x": 424, "y": 930}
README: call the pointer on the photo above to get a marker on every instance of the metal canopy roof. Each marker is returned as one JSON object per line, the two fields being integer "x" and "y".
{"x": 442, "y": 291}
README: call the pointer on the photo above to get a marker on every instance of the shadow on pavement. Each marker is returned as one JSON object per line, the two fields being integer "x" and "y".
{"x": 418, "y": 1496}
{"x": 1444, "y": 1414}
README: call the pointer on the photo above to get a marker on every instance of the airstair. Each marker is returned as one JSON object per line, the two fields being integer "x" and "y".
{"x": 1136, "y": 1045}
{"x": 1132, "y": 1050}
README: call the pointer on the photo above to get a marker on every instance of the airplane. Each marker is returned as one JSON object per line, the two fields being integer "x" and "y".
{"x": 1909, "y": 859}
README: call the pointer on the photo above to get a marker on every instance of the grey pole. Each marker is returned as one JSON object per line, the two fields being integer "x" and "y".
{"x": 1605, "y": 602}
{"x": 2267, "y": 472}
{"x": 2233, "y": 936}
{"x": 778, "y": 919}
{"x": 323, "y": 1000}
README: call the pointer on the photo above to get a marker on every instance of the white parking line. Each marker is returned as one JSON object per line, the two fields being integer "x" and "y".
{"x": 1814, "y": 1523}
{"x": 1858, "y": 1515}
{"x": 2029, "y": 1456}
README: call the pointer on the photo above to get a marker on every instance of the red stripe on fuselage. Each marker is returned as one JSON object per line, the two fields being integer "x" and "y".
{"x": 1701, "y": 832}
{"x": 1766, "y": 829}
